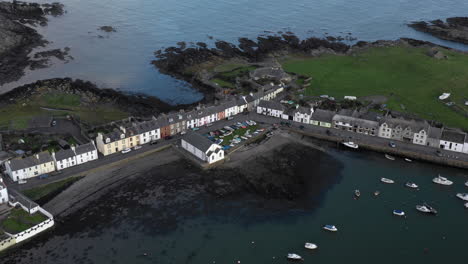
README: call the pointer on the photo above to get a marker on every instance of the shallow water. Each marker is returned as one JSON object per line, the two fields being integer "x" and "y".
{"x": 121, "y": 60}
{"x": 229, "y": 231}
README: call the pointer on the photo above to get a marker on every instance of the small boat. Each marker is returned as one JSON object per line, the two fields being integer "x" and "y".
{"x": 408, "y": 160}
{"x": 389, "y": 157}
{"x": 351, "y": 145}
{"x": 357, "y": 193}
{"x": 466, "y": 205}
{"x": 376, "y": 193}
{"x": 310, "y": 246}
{"x": 294, "y": 256}
{"x": 411, "y": 185}
{"x": 385, "y": 180}
{"x": 331, "y": 228}
{"x": 442, "y": 180}
{"x": 463, "y": 196}
{"x": 423, "y": 208}
{"x": 444, "y": 96}
{"x": 466, "y": 183}
{"x": 398, "y": 212}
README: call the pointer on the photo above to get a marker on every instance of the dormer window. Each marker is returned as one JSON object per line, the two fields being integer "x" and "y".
{"x": 107, "y": 140}
{"x": 122, "y": 136}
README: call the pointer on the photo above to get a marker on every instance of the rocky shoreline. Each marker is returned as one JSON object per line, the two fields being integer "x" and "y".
{"x": 137, "y": 105}
{"x": 18, "y": 38}
{"x": 453, "y": 29}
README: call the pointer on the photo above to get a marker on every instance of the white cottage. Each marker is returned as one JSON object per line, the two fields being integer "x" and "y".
{"x": 303, "y": 114}
{"x": 202, "y": 148}
{"x": 64, "y": 158}
{"x": 147, "y": 131}
{"x": 270, "y": 108}
{"x": 452, "y": 140}
{"x": 86, "y": 152}
{"x": 32, "y": 166}
{"x": 3, "y": 192}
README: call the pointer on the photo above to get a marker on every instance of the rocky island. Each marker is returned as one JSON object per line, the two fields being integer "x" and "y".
{"x": 17, "y": 38}
{"x": 453, "y": 29}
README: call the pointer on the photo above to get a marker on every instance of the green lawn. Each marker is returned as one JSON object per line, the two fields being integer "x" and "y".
{"x": 405, "y": 75}
{"x": 41, "y": 191}
{"x": 20, "y": 220}
{"x": 60, "y": 100}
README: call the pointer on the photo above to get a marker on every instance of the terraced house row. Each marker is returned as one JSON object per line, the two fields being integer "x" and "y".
{"x": 167, "y": 125}
{"x": 418, "y": 132}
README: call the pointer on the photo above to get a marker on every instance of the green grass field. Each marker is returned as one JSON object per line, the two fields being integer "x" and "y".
{"x": 17, "y": 116}
{"x": 20, "y": 220}
{"x": 42, "y": 191}
{"x": 405, "y": 75}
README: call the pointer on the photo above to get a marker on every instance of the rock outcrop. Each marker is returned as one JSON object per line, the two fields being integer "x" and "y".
{"x": 453, "y": 29}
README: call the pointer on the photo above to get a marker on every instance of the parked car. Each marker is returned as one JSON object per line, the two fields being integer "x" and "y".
{"x": 253, "y": 122}
{"x": 137, "y": 147}
{"x": 183, "y": 132}
{"x": 154, "y": 142}
{"x": 43, "y": 176}
{"x": 229, "y": 118}
{"x": 167, "y": 137}
{"x": 195, "y": 128}
{"x": 392, "y": 144}
{"x": 209, "y": 124}
{"x": 127, "y": 150}
{"x": 301, "y": 127}
{"x": 54, "y": 123}
{"x": 22, "y": 181}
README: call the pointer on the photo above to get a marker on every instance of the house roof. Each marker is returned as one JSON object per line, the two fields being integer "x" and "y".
{"x": 229, "y": 104}
{"x": 323, "y": 115}
{"x": 415, "y": 125}
{"x": 249, "y": 98}
{"x": 302, "y": 109}
{"x": 64, "y": 154}
{"x": 356, "y": 121}
{"x": 453, "y": 136}
{"x": 271, "y": 105}
{"x": 198, "y": 141}
{"x": 434, "y": 132}
{"x": 44, "y": 157}
{"x": 85, "y": 148}
{"x": 114, "y": 135}
{"x": 19, "y": 164}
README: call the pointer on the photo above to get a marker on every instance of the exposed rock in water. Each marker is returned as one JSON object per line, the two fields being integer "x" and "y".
{"x": 137, "y": 105}
{"x": 16, "y": 39}
{"x": 454, "y": 29}
{"x": 108, "y": 29}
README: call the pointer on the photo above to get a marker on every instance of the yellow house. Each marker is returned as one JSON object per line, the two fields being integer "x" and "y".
{"x": 322, "y": 118}
{"x": 117, "y": 140}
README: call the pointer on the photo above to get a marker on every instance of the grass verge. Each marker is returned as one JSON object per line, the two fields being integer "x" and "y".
{"x": 20, "y": 220}
{"x": 39, "y": 193}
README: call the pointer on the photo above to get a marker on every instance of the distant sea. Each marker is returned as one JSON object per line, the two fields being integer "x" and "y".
{"x": 121, "y": 60}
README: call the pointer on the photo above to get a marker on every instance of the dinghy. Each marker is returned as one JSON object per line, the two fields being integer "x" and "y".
{"x": 398, "y": 212}
{"x": 385, "y": 180}
{"x": 310, "y": 245}
{"x": 331, "y": 228}
{"x": 293, "y": 256}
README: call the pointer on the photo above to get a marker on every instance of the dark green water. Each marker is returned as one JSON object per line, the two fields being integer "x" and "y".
{"x": 368, "y": 232}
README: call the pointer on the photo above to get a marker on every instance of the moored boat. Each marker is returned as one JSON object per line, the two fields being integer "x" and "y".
{"x": 398, "y": 212}
{"x": 408, "y": 160}
{"x": 310, "y": 245}
{"x": 442, "y": 180}
{"x": 466, "y": 205}
{"x": 411, "y": 185}
{"x": 357, "y": 193}
{"x": 463, "y": 196}
{"x": 389, "y": 157}
{"x": 376, "y": 193}
{"x": 466, "y": 183}
{"x": 331, "y": 228}
{"x": 294, "y": 256}
{"x": 385, "y": 180}
{"x": 351, "y": 144}
{"x": 423, "y": 208}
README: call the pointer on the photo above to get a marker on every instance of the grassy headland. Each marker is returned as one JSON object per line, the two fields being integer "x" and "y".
{"x": 410, "y": 79}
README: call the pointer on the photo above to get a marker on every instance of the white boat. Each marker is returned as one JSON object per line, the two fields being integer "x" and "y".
{"x": 466, "y": 183}
{"x": 426, "y": 209}
{"x": 408, "y": 160}
{"x": 310, "y": 246}
{"x": 351, "y": 145}
{"x": 444, "y": 96}
{"x": 357, "y": 193}
{"x": 442, "y": 180}
{"x": 385, "y": 180}
{"x": 466, "y": 205}
{"x": 463, "y": 196}
{"x": 331, "y": 228}
{"x": 376, "y": 193}
{"x": 398, "y": 212}
{"x": 389, "y": 157}
{"x": 294, "y": 256}
{"x": 411, "y": 185}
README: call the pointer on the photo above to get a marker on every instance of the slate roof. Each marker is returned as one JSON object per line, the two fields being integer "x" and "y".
{"x": 19, "y": 164}
{"x": 323, "y": 115}
{"x": 85, "y": 148}
{"x": 356, "y": 121}
{"x": 113, "y": 136}
{"x": 303, "y": 110}
{"x": 229, "y": 104}
{"x": 453, "y": 136}
{"x": 271, "y": 105}
{"x": 434, "y": 132}
{"x": 415, "y": 125}
{"x": 249, "y": 98}
{"x": 45, "y": 157}
{"x": 64, "y": 154}
{"x": 198, "y": 141}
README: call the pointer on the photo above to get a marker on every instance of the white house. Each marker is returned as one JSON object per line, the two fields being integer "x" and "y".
{"x": 147, "y": 131}
{"x": 412, "y": 131}
{"x": 32, "y": 166}
{"x": 323, "y": 118}
{"x": 3, "y": 192}
{"x": 452, "y": 140}
{"x": 465, "y": 145}
{"x": 202, "y": 148}
{"x": 270, "y": 108}
{"x": 64, "y": 158}
{"x": 231, "y": 108}
{"x": 86, "y": 152}
{"x": 303, "y": 114}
